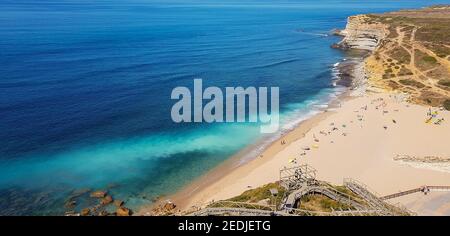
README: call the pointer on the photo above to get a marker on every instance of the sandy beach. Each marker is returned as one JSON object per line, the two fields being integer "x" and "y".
{"x": 358, "y": 139}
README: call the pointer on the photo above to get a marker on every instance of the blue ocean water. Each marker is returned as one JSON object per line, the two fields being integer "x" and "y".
{"x": 85, "y": 87}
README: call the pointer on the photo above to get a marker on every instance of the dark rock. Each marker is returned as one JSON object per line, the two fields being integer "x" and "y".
{"x": 123, "y": 211}
{"x": 118, "y": 203}
{"x": 70, "y": 203}
{"x": 85, "y": 212}
{"x": 335, "y": 45}
{"x": 106, "y": 200}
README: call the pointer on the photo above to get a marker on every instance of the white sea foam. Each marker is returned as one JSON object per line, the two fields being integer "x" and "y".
{"x": 296, "y": 114}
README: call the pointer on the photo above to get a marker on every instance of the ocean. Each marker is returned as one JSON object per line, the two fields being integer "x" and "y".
{"x": 85, "y": 88}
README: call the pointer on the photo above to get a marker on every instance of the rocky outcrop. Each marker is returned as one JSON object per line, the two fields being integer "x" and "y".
{"x": 118, "y": 203}
{"x": 123, "y": 211}
{"x": 164, "y": 209}
{"x": 85, "y": 212}
{"x": 105, "y": 205}
{"x": 361, "y": 34}
{"x": 106, "y": 200}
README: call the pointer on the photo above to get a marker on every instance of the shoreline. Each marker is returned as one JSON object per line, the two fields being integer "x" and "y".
{"x": 187, "y": 197}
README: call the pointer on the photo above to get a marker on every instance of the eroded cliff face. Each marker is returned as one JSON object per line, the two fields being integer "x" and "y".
{"x": 361, "y": 33}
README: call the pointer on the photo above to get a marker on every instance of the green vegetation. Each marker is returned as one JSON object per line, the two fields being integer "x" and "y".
{"x": 404, "y": 71}
{"x": 444, "y": 82}
{"x": 411, "y": 82}
{"x": 318, "y": 202}
{"x": 392, "y": 84}
{"x": 261, "y": 193}
{"x": 433, "y": 30}
{"x": 392, "y": 32}
{"x": 388, "y": 76}
{"x": 429, "y": 59}
{"x": 401, "y": 55}
{"x": 425, "y": 61}
{"x": 345, "y": 190}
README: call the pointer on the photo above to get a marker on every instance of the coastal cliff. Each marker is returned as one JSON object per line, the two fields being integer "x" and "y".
{"x": 362, "y": 34}
{"x": 410, "y": 52}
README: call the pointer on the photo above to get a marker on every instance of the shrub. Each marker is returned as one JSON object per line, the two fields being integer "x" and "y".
{"x": 444, "y": 83}
{"x": 447, "y": 104}
{"x": 429, "y": 59}
{"x": 411, "y": 82}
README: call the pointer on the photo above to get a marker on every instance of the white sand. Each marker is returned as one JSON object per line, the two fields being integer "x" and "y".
{"x": 365, "y": 153}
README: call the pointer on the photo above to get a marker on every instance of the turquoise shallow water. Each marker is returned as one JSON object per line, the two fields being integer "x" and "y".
{"x": 85, "y": 88}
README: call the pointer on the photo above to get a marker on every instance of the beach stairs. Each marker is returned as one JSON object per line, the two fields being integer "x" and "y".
{"x": 374, "y": 202}
{"x": 220, "y": 211}
{"x": 323, "y": 189}
{"x": 301, "y": 180}
{"x": 344, "y": 198}
{"x": 290, "y": 201}
{"x": 238, "y": 209}
{"x": 362, "y": 190}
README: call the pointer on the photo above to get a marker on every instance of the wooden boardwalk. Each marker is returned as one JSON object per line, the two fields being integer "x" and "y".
{"x": 300, "y": 181}
{"x": 423, "y": 189}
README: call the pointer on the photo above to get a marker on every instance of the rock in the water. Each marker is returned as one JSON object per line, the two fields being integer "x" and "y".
{"x": 338, "y": 32}
{"x": 118, "y": 203}
{"x": 85, "y": 212}
{"x": 106, "y": 200}
{"x": 70, "y": 204}
{"x": 123, "y": 211}
{"x": 165, "y": 209}
{"x": 98, "y": 194}
{"x": 79, "y": 192}
{"x": 335, "y": 45}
